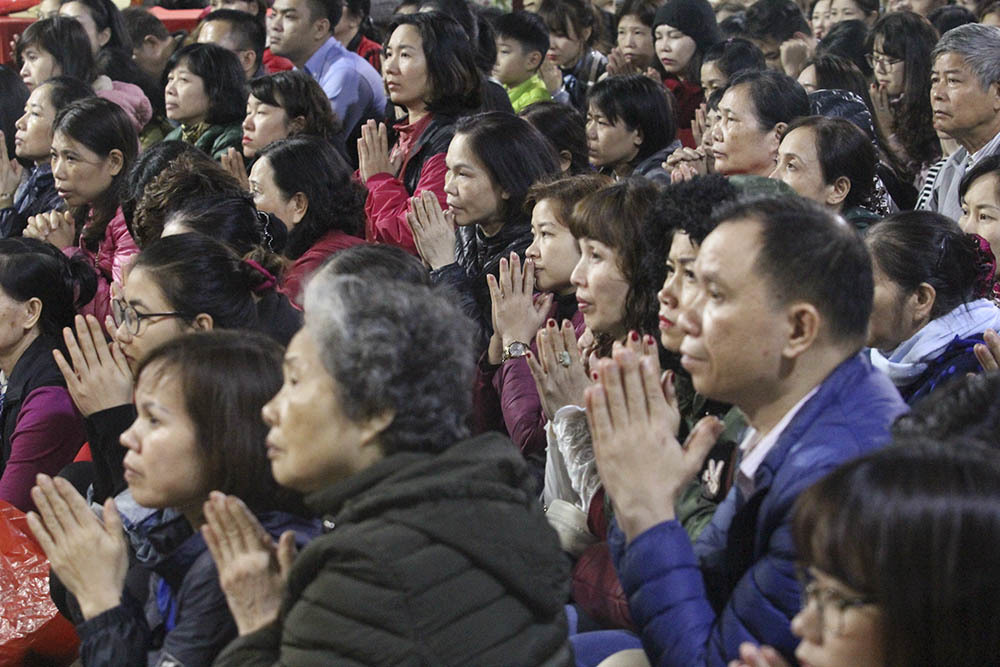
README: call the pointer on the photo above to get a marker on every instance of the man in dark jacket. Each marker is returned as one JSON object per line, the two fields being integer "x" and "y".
{"x": 773, "y": 324}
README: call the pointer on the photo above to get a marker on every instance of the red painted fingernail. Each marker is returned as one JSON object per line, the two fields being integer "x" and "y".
{"x": 635, "y": 336}
{"x": 528, "y": 354}
{"x": 593, "y": 374}
{"x": 551, "y": 322}
{"x": 649, "y": 340}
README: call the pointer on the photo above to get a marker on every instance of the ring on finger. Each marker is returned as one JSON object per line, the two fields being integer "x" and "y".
{"x": 564, "y": 359}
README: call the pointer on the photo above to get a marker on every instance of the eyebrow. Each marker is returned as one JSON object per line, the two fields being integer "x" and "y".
{"x": 136, "y": 302}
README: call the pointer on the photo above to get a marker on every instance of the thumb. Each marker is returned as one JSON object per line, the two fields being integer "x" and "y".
{"x": 112, "y": 520}
{"x": 701, "y": 440}
{"x": 286, "y": 553}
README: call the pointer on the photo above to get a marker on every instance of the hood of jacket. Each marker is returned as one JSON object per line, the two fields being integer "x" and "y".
{"x": 472, "y": 492}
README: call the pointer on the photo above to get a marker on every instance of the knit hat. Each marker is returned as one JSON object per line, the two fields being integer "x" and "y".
{"x": 694, "y": 18}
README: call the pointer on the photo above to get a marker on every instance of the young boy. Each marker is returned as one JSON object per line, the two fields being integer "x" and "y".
{"x": 522, "y": 41}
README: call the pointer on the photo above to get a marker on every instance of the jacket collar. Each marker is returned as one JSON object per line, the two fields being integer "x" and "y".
{"x": 36, "y": 359}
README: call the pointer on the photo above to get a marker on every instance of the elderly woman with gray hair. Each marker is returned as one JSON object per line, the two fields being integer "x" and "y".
{"x": 435, "y": 550}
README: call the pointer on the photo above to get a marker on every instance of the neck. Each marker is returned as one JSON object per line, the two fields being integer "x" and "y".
{"x": 415, "y": 114}
{"x": 301, "y": 60}
{"x": 623, "y": 169}
{"x": 346, "y": 37}
{"x": 194, "y": 514}
{"x": 804, "y": 373}
{"x": 10, "y": 357}
{"x": 977, "y": 137}
{"x": 491, "y": 229}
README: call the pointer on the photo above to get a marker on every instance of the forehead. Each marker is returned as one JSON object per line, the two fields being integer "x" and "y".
{"x": 460, "y": 151}
{"x": 801, "y": 142}
{"x": 951, "y": 61}
{"x": 682, "y": 245}
{"x": 140, "y": 286}
{"x": 729, "y": 252}
{"x": 63, "y": 142}
{"x": 261, "y": 171}
{"x": 286, "y": 5}
{"x": 631, "y": 21}
{"x": 39, "y": 96}
{"x": 406, "y": 35}
{"x": 985, "y": 190}
{"x": 737, "y": 100}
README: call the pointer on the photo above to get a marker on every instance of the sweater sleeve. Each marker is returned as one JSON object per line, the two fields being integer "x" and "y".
{"x": 118, "y": 636}
{"x": 48, "y": 434}
{"x": 104, "y": 428}
{"x": 388, "y": 202}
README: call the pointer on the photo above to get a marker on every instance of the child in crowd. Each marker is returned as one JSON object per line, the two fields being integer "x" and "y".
{"x": 522, "y": 42}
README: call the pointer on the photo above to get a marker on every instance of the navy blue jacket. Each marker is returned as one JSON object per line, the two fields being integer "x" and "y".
{"x": 695, "y": 604}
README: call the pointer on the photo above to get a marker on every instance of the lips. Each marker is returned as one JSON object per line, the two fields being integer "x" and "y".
{"x": 666, "y": 324}
{"x": 246, "y": 139}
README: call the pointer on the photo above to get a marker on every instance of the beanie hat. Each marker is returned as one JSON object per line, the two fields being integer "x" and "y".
{"x": 694, "y": 18}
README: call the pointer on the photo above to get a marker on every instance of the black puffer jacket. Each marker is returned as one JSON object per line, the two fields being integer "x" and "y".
{"x": 428, "y": 559}
{"x": 477, "y": 255}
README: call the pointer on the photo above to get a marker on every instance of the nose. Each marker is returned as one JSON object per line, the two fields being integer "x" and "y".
{"x": 248, "y": 123}
{"x": 666, "y": 294}
{"x": 58, "y": 170}
{"x": 129, "y": 439}
{"x": 579, "y": 275}
{"x": 449, "y": 184}
{"x": 269, "y": 412}
{"x": 806, "y": 625}
{"x": 690, "y": 316}
{"x": 775, "y": 172}
{"x": 25, "y": 71}
{"x": 532, "y": 251}
{"x": 22, "y": 122}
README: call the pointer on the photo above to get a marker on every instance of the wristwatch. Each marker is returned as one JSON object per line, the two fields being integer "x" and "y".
{"x": 513, "y": 351}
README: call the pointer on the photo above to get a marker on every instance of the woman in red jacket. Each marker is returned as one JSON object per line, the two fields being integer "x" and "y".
{"x": 307, "y": 184}
{"x": 430, "y": 70}
{"x": 94, "y": 143}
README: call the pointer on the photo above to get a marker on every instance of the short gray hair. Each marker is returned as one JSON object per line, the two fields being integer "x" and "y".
{"x": 979, "y": 46}
{"x": 399, "y": 347}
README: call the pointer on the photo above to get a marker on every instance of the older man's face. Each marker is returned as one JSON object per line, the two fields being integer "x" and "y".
{"x": 962, "y": 107}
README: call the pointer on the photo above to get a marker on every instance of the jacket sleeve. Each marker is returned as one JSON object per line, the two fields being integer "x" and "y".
{"x": 104, "y": 428}
{"x": 48, "y": 434}
{"x": 12, "y": 222}
{"x": 521, "y": 406}
{"x": 464, "y": 288}
{"x": 665, "y": 583}
{"x": 118, "y": 636}
{"x": 326, "y": 626}
{"x": 388, "y": 202}
{"x": 122, "y": 636}
{"x": 204, "y": 623}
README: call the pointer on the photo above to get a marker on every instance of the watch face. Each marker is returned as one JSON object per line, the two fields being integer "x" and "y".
{"x": 516, "y": 349}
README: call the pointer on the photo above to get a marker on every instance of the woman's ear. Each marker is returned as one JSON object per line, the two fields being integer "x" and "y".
{"x": 565, "y": 161}
{"x": 33, "y": 313}
{"x": 104, "y": 36}
{"x": 922, "y": 301}
{"x": 300, "y": 204}
{"x": 297, "y": 125}
{"x": 202, "y": 322}
{"x": 115, "y": 161}
{"x": 837, "y": 193}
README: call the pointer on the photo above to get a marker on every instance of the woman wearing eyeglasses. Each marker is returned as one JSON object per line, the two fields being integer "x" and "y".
{"x": 899, "y": 555}
{"x": 179, "y": 284}
{"x": 899, "y": 51}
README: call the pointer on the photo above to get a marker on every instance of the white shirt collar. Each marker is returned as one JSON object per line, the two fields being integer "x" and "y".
{"x": 754, "y": 448}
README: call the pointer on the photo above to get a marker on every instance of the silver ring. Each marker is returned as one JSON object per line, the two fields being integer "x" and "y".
{"x": 564, "y": 359}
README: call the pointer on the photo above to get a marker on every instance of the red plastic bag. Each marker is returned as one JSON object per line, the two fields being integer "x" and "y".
{"x": 31, "y": 628}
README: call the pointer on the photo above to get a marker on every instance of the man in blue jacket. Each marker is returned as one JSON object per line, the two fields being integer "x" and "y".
{"x": 774, "y": 321}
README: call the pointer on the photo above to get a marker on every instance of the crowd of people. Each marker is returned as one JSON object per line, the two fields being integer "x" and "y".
{"x": 562, "y": 333}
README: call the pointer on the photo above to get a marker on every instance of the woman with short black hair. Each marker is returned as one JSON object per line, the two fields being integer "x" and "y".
{"x": 630, "y": 127}
{"x": 205, "y": 91}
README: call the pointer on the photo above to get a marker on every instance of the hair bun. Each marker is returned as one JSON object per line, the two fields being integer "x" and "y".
{"x": 261, "y": 279}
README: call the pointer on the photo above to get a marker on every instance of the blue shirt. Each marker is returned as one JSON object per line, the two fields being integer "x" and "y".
{"x": 354, "y": 87}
